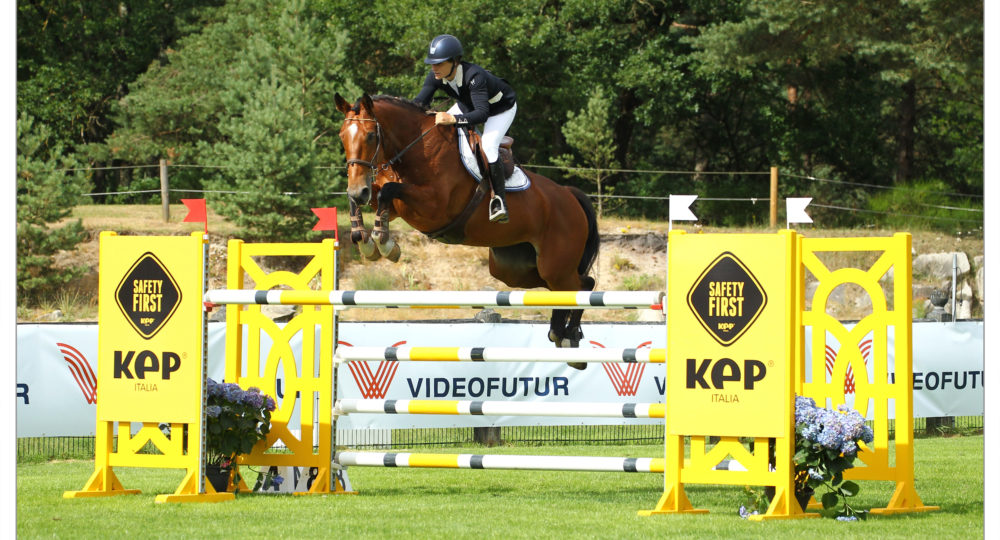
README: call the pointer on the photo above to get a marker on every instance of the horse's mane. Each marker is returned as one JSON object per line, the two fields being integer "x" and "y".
{"x": 418, "y": 107}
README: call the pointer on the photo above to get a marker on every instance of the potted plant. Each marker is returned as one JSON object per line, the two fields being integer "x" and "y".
{"x": 826, "y": 445}
{"x": 237, "y": 419}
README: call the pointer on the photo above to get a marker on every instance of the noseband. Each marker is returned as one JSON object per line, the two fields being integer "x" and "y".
{"x": 376, "y": 169}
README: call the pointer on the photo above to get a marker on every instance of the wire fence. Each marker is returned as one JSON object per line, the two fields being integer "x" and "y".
{"x": 58, "y": 448}
{"x": 165, "y": 188}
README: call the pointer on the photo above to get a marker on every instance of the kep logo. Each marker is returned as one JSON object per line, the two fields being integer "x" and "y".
{"x": 148, "y": 295}
{"x": 727, "y": 299}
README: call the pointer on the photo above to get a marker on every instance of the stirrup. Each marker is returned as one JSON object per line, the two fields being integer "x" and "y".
{"x": 500, "y": 214}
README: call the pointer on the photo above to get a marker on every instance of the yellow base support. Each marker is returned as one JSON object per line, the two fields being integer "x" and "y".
{"x": 673, "y": 501}
{"x": 103, "y": 483}
{"x": 904, "y": 500}
{"x": 188, "y": 492}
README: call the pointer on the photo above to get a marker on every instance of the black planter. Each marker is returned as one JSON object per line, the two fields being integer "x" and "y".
{"x": 801, "y": 496}
{"x": 218, "y": 476}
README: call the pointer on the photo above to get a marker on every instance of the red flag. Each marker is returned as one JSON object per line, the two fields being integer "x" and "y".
{"x": 327, "y": 221}
{"x": 197, "y": 213}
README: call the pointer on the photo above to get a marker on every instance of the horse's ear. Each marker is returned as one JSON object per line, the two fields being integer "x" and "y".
{"x": 342, "y": 104}
{"x": 368, "y": 105}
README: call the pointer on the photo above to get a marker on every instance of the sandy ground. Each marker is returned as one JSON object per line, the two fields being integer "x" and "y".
{"x": 631, "y": 257}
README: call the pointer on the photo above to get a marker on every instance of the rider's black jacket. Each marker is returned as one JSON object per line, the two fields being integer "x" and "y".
{"x": 481, "y": 94}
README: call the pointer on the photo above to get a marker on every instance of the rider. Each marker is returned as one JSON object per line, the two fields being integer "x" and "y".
{"x": 480, "y": 97}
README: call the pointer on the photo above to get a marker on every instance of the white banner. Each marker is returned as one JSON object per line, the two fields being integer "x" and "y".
{"x": 56, "y": 364}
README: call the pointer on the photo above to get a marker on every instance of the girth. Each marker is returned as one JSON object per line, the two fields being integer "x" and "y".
{"x": 454, "y": 232}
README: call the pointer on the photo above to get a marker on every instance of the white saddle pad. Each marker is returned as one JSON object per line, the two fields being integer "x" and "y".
{"x": 517, "y": 181}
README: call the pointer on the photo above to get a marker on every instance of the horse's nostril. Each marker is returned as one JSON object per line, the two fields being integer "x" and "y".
{"x": 365, "y": 193}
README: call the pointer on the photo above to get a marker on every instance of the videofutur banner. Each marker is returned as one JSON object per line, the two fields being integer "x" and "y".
{"x": 57, "y": 366}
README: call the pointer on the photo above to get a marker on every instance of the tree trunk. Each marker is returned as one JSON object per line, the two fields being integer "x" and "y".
{"x": 624, "y": 126}
{"x": 488, "y": 436}
{"x": 907, "y": 125}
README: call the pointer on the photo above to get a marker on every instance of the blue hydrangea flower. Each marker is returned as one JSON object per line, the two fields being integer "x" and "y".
{"x": 214, "y": 388}
{"x": 233, "y": 393}
{"x": 271, "y": 406}
{"x": 867, "y": 435}
{"x": 847, "y": 518}
{"x": 213, "y": 411}
{"x": 254, "y": 400}
{"x": 815, "y": 475}
{"x": 277, "y": 480}
{"x": 746, "y": 515}
{"x": 849, "y": 448}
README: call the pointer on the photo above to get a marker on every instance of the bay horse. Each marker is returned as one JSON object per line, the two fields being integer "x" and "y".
{"x": 404, "y": 166}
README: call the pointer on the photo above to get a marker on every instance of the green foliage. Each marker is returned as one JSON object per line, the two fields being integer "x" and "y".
{"x": 376, "y": 279}
{"x": 45, "y": 195}
{"x": 590, "y": 135}
{"x": 642, "y": 282}
{"x": 75, "y": 60}
{"x": 954, "y": 214}
{"x": 275, "y": 143}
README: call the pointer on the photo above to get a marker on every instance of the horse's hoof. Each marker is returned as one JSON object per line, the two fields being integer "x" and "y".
{"x": 368, "y": 250}
{"x": 577, "y": 365}
{"x": 390, "y": 250}
{"x": 567, "y": 343}
{"x": 553, "y": 337}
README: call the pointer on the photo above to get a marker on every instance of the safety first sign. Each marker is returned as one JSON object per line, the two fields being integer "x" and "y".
{"x": 149, "y": 338}
{"x": 728, "y": 350}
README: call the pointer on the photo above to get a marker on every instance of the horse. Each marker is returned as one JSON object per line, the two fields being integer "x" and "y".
{"x": 402, "y": 165}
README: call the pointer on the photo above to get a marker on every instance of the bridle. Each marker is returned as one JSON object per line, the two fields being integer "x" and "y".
{"x": 376, "y": 169}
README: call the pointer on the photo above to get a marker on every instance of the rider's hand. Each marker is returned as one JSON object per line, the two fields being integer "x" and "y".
{"x": 444, "y": 119}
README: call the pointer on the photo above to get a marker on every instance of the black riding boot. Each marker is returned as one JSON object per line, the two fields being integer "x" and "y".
{"x": 498, "y": 205}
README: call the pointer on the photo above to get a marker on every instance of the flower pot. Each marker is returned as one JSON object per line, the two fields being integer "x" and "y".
{"x": 801, "y": 496}
{"x": 218, "y": 476}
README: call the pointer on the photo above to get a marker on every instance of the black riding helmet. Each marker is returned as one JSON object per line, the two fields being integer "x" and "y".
{"x": 443, "y": 48}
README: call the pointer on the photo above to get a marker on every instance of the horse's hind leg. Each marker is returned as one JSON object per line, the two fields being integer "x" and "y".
{"x": 557, "y": 326}
{"x": 386, "y": 244}
{"x": 574, "y": 333}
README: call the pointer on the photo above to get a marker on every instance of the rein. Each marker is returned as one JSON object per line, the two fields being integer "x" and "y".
{"x": 376, "y": 169}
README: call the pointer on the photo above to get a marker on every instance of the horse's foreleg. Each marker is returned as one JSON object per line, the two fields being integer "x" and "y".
{"x": 384, "y": 241}
{"x": 360, "y": 236}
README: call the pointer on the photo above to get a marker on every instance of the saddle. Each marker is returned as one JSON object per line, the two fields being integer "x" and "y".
{"x": 506, "y": 156}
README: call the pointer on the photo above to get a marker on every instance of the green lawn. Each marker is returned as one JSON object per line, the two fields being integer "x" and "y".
{"x": 415, "y": 504}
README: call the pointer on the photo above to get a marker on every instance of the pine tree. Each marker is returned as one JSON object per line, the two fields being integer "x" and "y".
{"x": 589, "y": 133}
{"x": 45, "y": 195}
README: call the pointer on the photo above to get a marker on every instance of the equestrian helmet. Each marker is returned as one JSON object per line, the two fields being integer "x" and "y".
{"x": 444, "y": 47}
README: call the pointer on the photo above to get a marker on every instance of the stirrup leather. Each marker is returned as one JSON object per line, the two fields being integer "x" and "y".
{"x": 498, "y": 210}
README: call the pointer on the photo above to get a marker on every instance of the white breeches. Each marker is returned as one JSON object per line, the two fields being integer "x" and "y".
{"x": 494, "y": 130}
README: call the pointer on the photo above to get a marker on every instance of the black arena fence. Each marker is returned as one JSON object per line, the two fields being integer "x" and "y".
{"x": 60, "y": 448}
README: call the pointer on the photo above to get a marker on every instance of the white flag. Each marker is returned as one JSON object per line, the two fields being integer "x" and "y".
{"x": 679, "y": 208}
{"x": 796, "y": 210}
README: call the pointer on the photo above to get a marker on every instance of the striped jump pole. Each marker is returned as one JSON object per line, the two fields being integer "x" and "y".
{"x": 443, "y": 299}
{"x": 499, "y": 462}
{"x": 497, "y": 354}
{"x": 498, "y": 408}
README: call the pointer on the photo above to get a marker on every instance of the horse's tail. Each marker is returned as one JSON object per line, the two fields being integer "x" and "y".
{"x": 593, "y": 245}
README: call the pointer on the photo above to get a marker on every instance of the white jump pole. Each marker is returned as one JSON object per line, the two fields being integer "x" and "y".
{"x": 498, "y": 408}
{"x": 497, "y": 354}
{"x": 511, "y": 463}
{"x": 443, "y": 299}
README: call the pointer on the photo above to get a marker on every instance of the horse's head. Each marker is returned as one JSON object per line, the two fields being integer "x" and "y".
{"x": 362, "y": 142}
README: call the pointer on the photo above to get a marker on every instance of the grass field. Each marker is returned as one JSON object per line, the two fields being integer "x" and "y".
{"x": 415, "y": 504}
